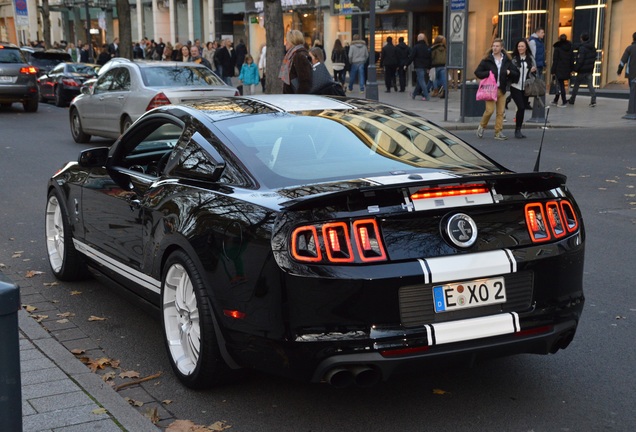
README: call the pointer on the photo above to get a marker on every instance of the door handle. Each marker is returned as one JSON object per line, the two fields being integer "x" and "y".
{"x": 120, "y": 97}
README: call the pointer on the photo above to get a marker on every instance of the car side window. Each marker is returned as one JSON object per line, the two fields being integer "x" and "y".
{"x": 121, "y": 80}
{"x": 105, "y": 82}
{"x": 58, "y": 69}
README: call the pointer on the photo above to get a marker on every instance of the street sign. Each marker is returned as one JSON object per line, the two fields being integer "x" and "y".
{"x": 457, "y": 24}
{"x": 458, "y": 5}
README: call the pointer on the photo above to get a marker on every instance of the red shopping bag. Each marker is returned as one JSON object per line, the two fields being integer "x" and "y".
{"x": 487, "y": 90}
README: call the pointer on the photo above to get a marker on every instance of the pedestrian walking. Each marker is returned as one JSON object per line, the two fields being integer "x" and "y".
{"x": 339, "y": 62}
{"x": 629, "y": 59}
{"x": 248, "y": 76}
{"x": 403, "y": 52}
{"x": 296, "y": 71}
{"x": 584, "y": 68}
{"x": 226, "y": 58}
{"x": 389, "y": 61}
{"x": 358, "y": 55}
{"x": 500, "y": 64}
{"x": 195, "y": 57}
{"x": 262, "y": 64}
{"x": 322, "y": 81}
{"x": 524, "y": 62}
{"x": 561, "y": 67}
{"x": 422, "y": 61}
{"x": 240, "y": 53}
{"x": 438, "y": 62}
{"x": 537, "y": 46}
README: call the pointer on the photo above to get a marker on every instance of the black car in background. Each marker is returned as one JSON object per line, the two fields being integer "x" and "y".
{"x": 62, "y": 83}
{"x": 17, "y": 79}
{"x": 331, "y": 240}
{"x": 45, "y": 60}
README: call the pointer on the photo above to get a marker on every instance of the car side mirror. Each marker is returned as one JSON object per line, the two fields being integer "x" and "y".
{"x": 85, "y": 90}
{"x": 93, "y": 158}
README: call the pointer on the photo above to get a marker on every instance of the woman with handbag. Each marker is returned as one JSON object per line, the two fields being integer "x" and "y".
{"x": 523, "y": 60}
{"x": 561, "y": 67}
{"x": 505, "y": 72}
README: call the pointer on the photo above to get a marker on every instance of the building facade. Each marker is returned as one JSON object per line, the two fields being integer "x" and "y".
{"x": 328, "y": 20}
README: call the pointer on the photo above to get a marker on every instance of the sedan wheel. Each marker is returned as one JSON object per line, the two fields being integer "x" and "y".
{"x": 126, "y": 123}
{"x": 76, "y": 128}
{"x": 59, "y": 98}
{"x": 188, "y": 325}
{"x": 66, "y": 263}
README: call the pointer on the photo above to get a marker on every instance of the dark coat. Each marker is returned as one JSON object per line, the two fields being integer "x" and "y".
{"x": 403, "y": 52}
{"x": 420, "y": 56}
{"x": 585, "y": 58}
{"x": 241, "y": 52}
{"x": 629, "y": 59}
{"x": 562, "y": 60}
{"x": 322, "y": 81}
{"x": 227, "y": 60}
{"x": 488, "y": 65}
{"x": 438, "y": 55}
{"x": 389, "y": 55}
{"x": 301, "y": 72}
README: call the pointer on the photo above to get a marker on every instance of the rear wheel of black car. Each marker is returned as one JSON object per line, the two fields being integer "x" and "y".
{"x": 188, "y": 325}
{"x": 66, "y": 263}
{"x": 30, "y": 105}
{"x": 76, "y": 128}
{"x": 59, "y": 98}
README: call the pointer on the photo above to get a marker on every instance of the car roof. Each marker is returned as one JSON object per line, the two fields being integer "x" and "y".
{"x": 55, "y": 54}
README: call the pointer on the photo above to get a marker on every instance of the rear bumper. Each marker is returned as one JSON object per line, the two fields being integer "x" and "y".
{"x": 10, "y": 94}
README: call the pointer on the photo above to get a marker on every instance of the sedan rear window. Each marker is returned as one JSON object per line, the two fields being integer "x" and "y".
{"x": 286, "y": 150}
{"x": 162, "y": 76}
{"x": 11, "y": 56}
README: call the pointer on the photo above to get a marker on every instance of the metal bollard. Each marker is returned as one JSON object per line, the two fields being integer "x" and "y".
{"x": 538, "y": 110}
{"x": 10, "y": 381}
{"x": 631, "y": 107}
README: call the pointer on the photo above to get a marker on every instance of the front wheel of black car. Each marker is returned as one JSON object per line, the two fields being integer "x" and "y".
{"x": 188, "y": 325}
{"x": 66, "y": 263}
{"x": 59, "y": 97}
{"x": 76, "y": 128}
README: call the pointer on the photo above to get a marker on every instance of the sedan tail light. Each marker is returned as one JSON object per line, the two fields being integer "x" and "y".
{"x": 70, "y": 82}
{"x": 29, "y": 70}
{"x": 159, "y": 100}
{"x": 308, "y": 242}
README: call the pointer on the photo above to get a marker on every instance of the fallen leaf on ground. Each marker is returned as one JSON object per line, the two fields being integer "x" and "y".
{"x": 440, "y": 392}
{"x": 17, "y": 254}
{"x": 99, "y": 363}
{"x": 219, "y": 426}
{"x": 134, "y": 402}
{"x": 114, "y": 363}
{"x": 96, "y": 318}
{"x": 184, "y": 426}
{"x": 29, "y": 308}
{"x": 2, "y": 266}
{"x": 32, "y": 273}
{"x": 631, "y": 174}
{"x": 76, "y": 292}
{"x": 66, "y": 314}
{"x": 166, "y": 402}
{"x": 39, "y": 318}
{"x": 611, "y": 181}
{"x": 50, "y": 284}
{"x": 108, "y": 376}
{"x": 78, "y": 351}
{"x": 129, "y": 374}
{"x": 99, "y": 411}
{"x": 153, "y": 415}
{"x": 62, "y": 321}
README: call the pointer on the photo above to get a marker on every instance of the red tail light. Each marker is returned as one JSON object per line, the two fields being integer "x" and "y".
{"x": 535, "y": 219}
{"x": 448, "y": 191}
{"x": 337, "y": 244}
{"x": 30, "y": 70}
{"x": 569, "y": 217}
{"x": 159, "y": 100}
{"x": 234, "y": 314}
{"x": 305, "y": 245}
{"x": 555, "y": 218}
{"x": 368, "y": 240}
{"x": 70, "y": 82}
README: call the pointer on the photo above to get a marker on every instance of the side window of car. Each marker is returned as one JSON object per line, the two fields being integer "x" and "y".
{"x": 57, "y": 69}
{"x": 104, "y": 83}
{"x": 122, "y": 80}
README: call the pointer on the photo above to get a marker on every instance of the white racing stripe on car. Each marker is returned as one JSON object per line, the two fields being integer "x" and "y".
{"x": 425, "y": 270}
{"x": 474, "y": 328}
{"x": 134, "y": 275}
{"x": 469, "y": 266}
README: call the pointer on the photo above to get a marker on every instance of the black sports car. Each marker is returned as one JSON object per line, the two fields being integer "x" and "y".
{"x": 64, "y": 81}
{"x": 326, "y": 239}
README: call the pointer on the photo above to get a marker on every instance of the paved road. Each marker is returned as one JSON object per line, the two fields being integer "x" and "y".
{"x": 587, "y": 387}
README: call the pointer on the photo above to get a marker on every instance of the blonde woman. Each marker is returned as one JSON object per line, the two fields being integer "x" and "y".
{"x": 296, "y": 71}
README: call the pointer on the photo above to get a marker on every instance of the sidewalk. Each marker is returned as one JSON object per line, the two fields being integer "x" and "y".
{"x": 61, "y": 394}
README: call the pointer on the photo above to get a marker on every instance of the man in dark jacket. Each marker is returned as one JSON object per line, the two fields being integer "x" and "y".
{"x": 629, "y": 59}
{"x": 227, "y": 59}
{"x": 195, "y": 56}
{"x": 389, "y": 60}
{"x": 561, "y": 66}
{"x": 421, "y": 58}
{"x": 241, "y": 52}
{"x": 584, "y": 68}
{"x": 403, "y": 52}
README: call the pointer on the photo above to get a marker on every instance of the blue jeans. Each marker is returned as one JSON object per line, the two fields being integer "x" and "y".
{"x": 440, "y": 78}
{"x": 421, "y": 83}
{"x": 356, "y": 69}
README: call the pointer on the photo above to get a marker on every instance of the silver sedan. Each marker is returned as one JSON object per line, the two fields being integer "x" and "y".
{"x": 128, "y": 89}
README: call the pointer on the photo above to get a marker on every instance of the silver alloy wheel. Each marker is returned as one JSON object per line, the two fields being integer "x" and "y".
{"x": 54, "y": 227}
{"x": 181, "y": 319}
{"x": 75, "y": 121}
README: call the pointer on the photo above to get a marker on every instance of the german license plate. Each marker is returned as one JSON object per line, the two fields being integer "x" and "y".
{"x": 7, "y": 79}
{"x": 469, "y": 294}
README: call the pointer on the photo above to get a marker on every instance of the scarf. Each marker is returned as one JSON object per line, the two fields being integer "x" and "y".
{"x": 285, "y": 68}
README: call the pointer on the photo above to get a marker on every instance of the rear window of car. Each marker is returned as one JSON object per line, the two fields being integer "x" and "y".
{"x": 163, "y": 76}
{"x": 82, "y": 69}
{"x": 10, "y": 55}
{"x": 286, "y": 150}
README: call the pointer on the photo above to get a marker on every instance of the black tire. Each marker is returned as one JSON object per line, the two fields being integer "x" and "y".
{"x": 59, "y": 98}
{"x": 126, "y": 123}
{"x": 76, "y": 128}
{"x": 66, "y": 263}
{"x": 30, "y": 105}
{"x": 197, "y": 363}
{"x": 41, "y": 98}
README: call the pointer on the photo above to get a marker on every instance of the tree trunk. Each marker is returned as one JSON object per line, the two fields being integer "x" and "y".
{"x": 46, "y": 24}
{"x": 125, "y": 29}
{"x": 275, "y": 41}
